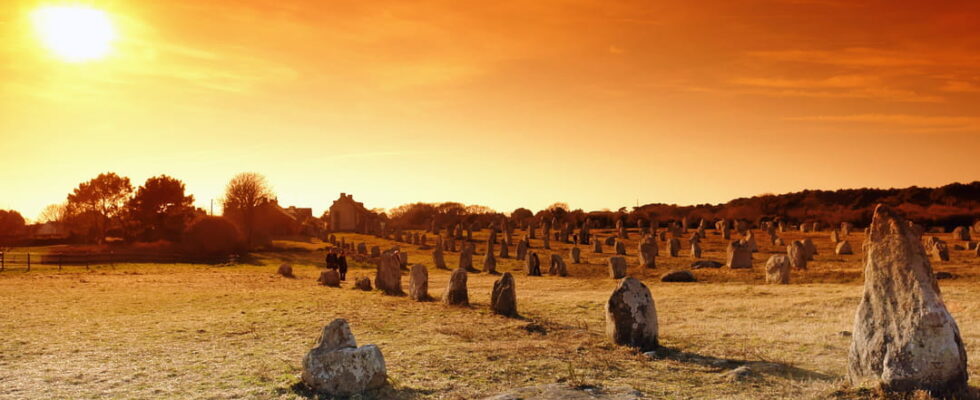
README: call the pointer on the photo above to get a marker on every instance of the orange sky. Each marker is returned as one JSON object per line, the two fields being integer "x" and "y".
{"x": 504, "y": 104}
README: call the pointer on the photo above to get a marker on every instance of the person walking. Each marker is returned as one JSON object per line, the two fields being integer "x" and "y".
{"x": 342, "y": 265}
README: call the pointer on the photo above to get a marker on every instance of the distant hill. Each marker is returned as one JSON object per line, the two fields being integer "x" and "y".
{"x": 952, "y": 205}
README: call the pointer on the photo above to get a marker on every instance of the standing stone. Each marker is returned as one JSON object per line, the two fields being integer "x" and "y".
{"x": 557, "y": 266}
{"x": 739, "y": 255}
{"x": 522, "y": 249}
{"x": 466, "y": 258}
{"x": 631, "y": 316}
{"x": 663, "y": 236}
{"x": 438, "y": 259}
{"x": 418, "y": 283}
{"x": 750, "y": 242}
{"x": 843, "y": 247}
{"x": 489, "y": 263}
{"x": 456, "y": 294}
{"x": 617, "y": 267}
{"x": 362, "y": 248}
{"x": 329, "y": 278}
{"x": 796, "y": 252}
{"x": 403, "y": 258}
{"x": 337, "y": 367}
{"x": 674, "y": 247}
{"x": 648, "y": 258}
{"x": 940, "y": 252}
{"x": 575, "y": 255}
{"x": 811, "y": 249}
{"x": 286, "y": 271}
{"x": 961, "y": 233}
{"x": 695, "y": 250}
{"x": 388, "y": 277}
{"x": 609, "y": 241}
{"x": 621, "y": 230}
{"x": 505, "y": 250}
{"x": 834, "y": 236}
{"x": 375, "y": 251}
{"x": 726, "y": 233}
{"x": 532, "y": 265}
{"x": 620, "y": 248}
{"x": 904, "y": 338}
{"x": 503, "y": 298}
{"x": 777, "y": 269}
{"x": 597, "y": 246}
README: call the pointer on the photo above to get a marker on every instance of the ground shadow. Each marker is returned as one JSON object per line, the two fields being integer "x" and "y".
{"x": 387, "y": 392}
{"x": 721, "y": 364}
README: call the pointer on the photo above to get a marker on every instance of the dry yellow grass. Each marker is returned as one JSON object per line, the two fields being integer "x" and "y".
{"x": 194, "y": 331}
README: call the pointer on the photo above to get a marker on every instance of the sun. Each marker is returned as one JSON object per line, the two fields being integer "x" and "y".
{"x": 75, "y": 33}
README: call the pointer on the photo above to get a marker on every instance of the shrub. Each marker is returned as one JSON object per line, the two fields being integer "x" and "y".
{"x": 212, "y": 237}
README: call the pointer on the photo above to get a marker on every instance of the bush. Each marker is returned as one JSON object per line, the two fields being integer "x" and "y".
{"x": 212, "y": 236}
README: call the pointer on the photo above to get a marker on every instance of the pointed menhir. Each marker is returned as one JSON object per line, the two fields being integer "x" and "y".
{"x": 904, "y": 337}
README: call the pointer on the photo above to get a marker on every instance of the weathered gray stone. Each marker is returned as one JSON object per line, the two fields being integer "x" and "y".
{"x": 388, "y": 277}
{"x": 503, "y": 298}
{"x": 456, "y": 293}
{"x": 557, "y": 266}
{"x": 336, "y": 366}
{"x": 778, "y": 269}
{"x": 575, "y": 255}
{"x": 695, "y": 249}
{"x": 904, "y": 337}
{"x": 739, "y": 255}
{"x": 617, "y": 267}
{"x": 489, "y": 263}
{"x": 597, "y": 246}
{"x": 438, "y": 259}
{"x": 418, "y": 283}
{"x": 674, "y": 247}
{"x": 796, "y": 252}
{"x": 620, "y": 248}
{"x": 329, "y": 278}
{"x": 286, "y": 270}
{"x": 532, "y": 265}
{"x": 706, "y": 264}
{"x": 363, "y": 283}
{"x": 645, "y": 251}
{"x": 631, "y": 315}
{"x": 843, "y": 247}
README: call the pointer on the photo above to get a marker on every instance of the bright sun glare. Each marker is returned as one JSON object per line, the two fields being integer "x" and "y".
{"x": 74, "y": 33}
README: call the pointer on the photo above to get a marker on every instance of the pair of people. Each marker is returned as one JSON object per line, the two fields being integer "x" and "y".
{"x": 337, "y": 260}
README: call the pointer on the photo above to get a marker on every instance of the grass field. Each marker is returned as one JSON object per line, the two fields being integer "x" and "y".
{"x": 209, "y": 332}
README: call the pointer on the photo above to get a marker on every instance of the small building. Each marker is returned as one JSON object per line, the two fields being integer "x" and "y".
{"x": 299, "y": 214}
{"x": 347, "y": 215}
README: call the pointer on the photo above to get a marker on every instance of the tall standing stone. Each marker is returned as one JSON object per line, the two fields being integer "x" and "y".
{"x": 617, "y": 267}
{"x": 532, "y": 265}
{"x": 631, "y": 316}
{"x": 674, "y": 247}
{"x": 418, "y": 283}
{"x": 522, "y": 249}
{"x": 388, "y": 277}
{"x": 557, "y": 266}
{"x": 575, "y": 255}
{"x": 489, "y": 263}
{"x": 811, "y": 249}
{"x": 620, "y": 248}
{"x": 739, "y": 255}
{"x": 466, "y": 258}
{"x": 438, "y": 259}
{"x": 456, "y": 293}
{"x": 597, "y": 246}
{"x": 695, "y": 249}
{"x": 505, "y": 250}
{"x": 503, "y": 298}
{"x": 646, "y": 253}
{"x": 904, "y": 337}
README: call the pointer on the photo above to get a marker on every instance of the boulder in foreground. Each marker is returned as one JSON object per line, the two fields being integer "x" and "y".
{"x": 631, "y": 316}
{"x": 337, "y": 367}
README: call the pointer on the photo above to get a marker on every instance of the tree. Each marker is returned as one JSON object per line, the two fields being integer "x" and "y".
{"x": 52, "y": 213}
{"x": 99, "y": 201}
{"x": 521, "y": 214}
{"x": 243, "y": 195}
{"x": 11, "y": 225}
{"x": 160, "y": 209}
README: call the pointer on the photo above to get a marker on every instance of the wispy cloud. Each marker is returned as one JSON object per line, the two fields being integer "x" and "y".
{"x": 904, "y": 122}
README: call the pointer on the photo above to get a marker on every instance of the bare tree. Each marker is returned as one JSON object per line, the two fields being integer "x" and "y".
{"x": 244, "y": 194}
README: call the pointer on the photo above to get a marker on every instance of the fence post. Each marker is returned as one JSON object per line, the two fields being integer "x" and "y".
{"x": 28, "y": 262}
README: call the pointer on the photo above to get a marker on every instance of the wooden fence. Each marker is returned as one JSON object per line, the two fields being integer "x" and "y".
{"x": 12, "y": 260}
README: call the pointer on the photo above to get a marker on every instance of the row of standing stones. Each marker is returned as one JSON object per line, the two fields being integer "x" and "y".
{"x": 904, "y": 338}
